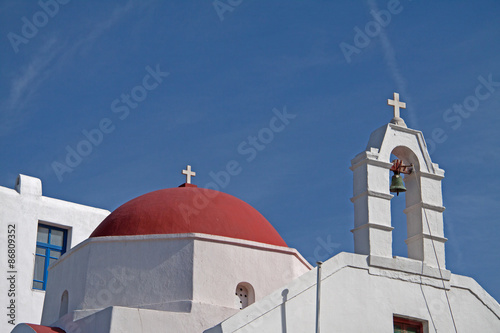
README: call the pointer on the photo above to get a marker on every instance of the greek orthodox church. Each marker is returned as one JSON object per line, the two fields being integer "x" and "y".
{"x": 190, "y": 259}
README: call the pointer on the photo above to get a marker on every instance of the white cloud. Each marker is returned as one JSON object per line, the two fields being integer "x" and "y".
{"x": 392, "y": 64}
{"x": 52, "y": 55}
{"x": 25, "y": 84}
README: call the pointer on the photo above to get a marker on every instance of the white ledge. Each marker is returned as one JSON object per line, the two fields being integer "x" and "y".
{"x": 371, "y": 193}
{"x": 374, "y": 226}
{"x": 427, "y": 236}
{"x": 421, "y": 204}
{"x": 189, "y": 236}
{"x": 409, "y": 266}
{"x": 370, "y": 159}
{"x": 424, "y": 174}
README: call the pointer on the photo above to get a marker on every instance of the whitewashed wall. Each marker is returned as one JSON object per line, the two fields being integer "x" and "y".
{"x": 183, "y": 281}
{"x": 358, "y": 297}
{"x": 24, "y": 207}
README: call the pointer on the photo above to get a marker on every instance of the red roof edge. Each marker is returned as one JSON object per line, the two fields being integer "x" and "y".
{"x": 45, "y": 329}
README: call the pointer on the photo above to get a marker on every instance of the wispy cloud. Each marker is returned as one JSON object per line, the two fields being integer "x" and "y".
{"x": 23, "y": 85}
{"x": 52, "y": 55}
{"x": 101, "y": 27}
{"x": 392, "y": 64}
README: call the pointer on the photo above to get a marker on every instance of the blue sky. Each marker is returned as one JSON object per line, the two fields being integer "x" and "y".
{"x": 218, "y": 75}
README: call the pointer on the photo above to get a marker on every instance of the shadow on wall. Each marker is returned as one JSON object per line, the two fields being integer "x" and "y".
{"x": 284, "y": 293}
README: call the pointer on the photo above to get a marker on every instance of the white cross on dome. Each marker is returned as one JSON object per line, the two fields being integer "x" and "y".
{"x": 188, "y": 174}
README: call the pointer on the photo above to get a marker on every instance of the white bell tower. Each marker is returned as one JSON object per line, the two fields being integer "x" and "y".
{"x": 372, "y": 199}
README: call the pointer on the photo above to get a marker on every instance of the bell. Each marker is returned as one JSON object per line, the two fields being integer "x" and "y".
{"x": 397, "y": 184}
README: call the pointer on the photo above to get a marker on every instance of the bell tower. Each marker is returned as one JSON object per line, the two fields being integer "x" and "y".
{"x": 372, "y": 199}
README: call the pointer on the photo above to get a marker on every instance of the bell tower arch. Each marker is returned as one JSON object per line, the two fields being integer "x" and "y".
{"x": 372, "y": 200}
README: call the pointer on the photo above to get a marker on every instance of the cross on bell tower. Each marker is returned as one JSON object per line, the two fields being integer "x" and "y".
{"x": 372, "y": 200}
{"x": 397, "y": 104}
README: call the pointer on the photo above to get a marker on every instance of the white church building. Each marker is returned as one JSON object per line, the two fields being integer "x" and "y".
{"x": 189, "y": 259}
{"x": 37, "y": 230}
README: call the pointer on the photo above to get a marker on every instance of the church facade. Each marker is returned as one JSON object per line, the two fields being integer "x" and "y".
{"x": 189, "y": 259}
{"x": 371, "y": 290}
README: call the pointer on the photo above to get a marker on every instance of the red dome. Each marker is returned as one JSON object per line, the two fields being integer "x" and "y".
{"x": 189, "y": 210}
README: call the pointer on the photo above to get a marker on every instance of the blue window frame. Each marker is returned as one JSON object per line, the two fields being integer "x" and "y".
{"x": 50, "y": 246}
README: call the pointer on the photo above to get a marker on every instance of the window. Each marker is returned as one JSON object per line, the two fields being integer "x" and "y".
{"x": 50, "y": 245}
{"x": 403, "y": 325}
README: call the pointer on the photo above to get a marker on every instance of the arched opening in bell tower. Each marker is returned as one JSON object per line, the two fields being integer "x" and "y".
{"x": 398, "y": 220}
{"x": 400, "y": 200}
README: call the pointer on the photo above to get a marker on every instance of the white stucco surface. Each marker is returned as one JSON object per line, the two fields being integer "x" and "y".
{"x": 372, "y": 200}
{"x": 359, "y": 297}
{"x": 25, "y": 207}
{"x": 174, "y": 275}
{"x": 363, "y": 292}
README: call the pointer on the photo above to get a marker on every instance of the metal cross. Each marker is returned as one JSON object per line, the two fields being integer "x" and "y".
{"x": 396, "y": 104}
{"x": 188, "y": 174}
